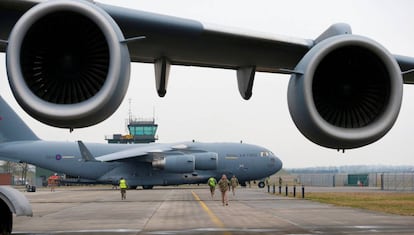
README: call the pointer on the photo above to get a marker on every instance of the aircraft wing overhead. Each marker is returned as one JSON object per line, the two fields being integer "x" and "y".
{"x": 184, "y": 41}
{"x": 188, "y": 42}
{"x": 139, "y": 151}
{"x": 43, "y": 36}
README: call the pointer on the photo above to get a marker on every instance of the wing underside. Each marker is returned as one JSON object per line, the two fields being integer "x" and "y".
{"x": 345, "y": 90}
{"x": 189, "y": 42}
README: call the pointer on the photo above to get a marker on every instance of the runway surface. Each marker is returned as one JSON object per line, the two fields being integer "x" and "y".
{"x": 191, "y": 210}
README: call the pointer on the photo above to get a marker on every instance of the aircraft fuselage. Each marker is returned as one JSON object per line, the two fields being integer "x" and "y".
{"x": 194, "y": 164}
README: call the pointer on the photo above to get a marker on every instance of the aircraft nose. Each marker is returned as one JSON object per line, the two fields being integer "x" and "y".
{"x": 278, "y": 164}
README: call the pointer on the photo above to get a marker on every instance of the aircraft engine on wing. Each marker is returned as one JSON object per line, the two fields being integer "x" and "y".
{"x": 187, "y": 163}
{"x": 346, "y": 92}
{"x": 67, "y": 63}
{"x": 175, "y": 163}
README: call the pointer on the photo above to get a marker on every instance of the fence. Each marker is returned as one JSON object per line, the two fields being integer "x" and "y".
{"x": 397, "y": 181}
{"x": 385, "y": 181}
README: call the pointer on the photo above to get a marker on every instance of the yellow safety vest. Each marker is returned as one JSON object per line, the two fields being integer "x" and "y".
{"x": 212, "y": 182}
{"x": 122, "y": 183}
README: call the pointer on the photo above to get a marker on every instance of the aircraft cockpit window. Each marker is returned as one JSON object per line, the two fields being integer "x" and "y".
{"x": 266, "y": 154}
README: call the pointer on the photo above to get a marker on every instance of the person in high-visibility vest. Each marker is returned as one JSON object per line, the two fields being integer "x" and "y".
{"x": 212, "y": 182}
{"x": 123, "y": 186}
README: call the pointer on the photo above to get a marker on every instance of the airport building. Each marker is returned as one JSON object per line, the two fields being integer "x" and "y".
{"x": 140, "y": 131}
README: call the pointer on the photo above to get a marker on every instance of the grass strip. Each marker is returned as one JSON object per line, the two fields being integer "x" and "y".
{"x": 394, "y": 203}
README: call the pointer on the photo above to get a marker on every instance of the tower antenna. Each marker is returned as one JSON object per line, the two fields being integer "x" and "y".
{"x": 129, "y": 110}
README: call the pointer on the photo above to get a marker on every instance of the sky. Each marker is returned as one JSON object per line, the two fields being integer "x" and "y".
{"x": 204, "y": 104}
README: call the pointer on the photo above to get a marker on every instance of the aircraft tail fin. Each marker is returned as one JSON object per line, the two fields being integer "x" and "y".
{"x": 12, "y": 127}
{"x": 86, "y": 155}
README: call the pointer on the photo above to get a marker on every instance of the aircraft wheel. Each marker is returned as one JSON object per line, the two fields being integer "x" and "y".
{"x": 6, "y": 222}
{"x": 261, "y": 184}
{"x": 147, "y": 186}
{"x": 132, "y": 187}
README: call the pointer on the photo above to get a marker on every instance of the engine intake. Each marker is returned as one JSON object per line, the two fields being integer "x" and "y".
{"x": 346, "y": 93}
{"x": 66, "y": 64}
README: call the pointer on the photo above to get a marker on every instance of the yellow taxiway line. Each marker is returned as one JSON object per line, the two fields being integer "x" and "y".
{"x": 212, "y": 216}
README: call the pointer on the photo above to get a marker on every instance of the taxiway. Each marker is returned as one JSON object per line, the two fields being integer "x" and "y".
{"x": 191, "y": 210}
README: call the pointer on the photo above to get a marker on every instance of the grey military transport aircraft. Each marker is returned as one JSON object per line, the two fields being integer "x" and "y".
{"x": 68, "y": 64}
{"x": 140, "y": 164}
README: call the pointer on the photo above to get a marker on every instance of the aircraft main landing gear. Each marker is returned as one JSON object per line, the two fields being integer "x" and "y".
{"x": 147, "y": 186}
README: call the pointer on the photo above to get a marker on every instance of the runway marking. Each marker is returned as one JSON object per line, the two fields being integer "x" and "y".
{"x": 212, "y": 216}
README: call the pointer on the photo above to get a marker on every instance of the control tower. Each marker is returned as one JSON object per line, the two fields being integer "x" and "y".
{"x": 140, "y": 131}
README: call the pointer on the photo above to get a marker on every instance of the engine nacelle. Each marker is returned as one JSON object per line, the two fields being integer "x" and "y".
{"x": 347, "y": 92}
{"x": 206, "y": 161}
{"x": 176, "y": 163}
{"x": 66, "y": 63}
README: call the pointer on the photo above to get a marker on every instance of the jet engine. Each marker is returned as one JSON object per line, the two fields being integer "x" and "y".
{"x": 176, "y": 163}
{"x": 345, "y": 92}
{"x": 67, "y": 64}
